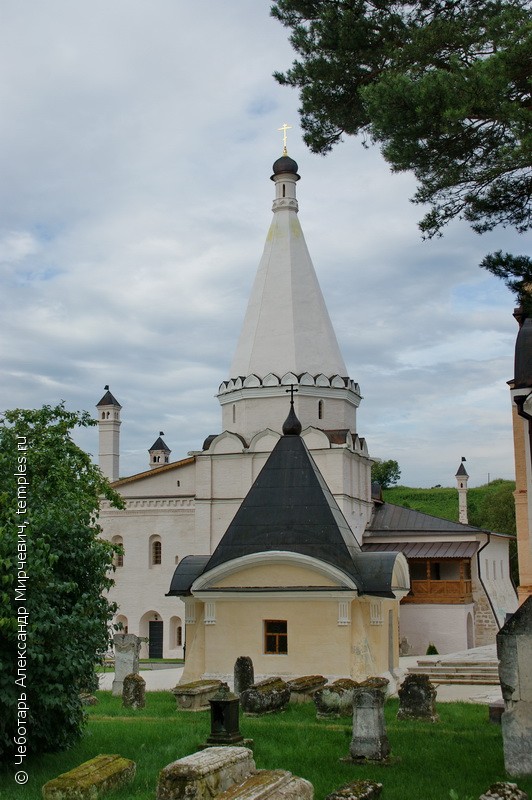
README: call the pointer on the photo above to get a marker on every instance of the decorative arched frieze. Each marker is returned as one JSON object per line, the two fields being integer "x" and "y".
{"x": 264, "y": 441}
{"x": 251, "y": 382}
{"x": 271, "y": 380}
{"x": 322, "y": 380}
{"x": 315, "y": 439}
{"x": 289, "y": 379}
{"x": 337, "y": 382}
{"x": 227, "y": 442}
{"x": 306, "y": 380}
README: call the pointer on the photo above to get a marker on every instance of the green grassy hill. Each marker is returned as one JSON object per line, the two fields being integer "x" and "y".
{"x": 490, "y": 506}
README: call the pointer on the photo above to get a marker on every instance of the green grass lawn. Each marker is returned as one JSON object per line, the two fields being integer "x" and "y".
{"x": 462, "y": 752}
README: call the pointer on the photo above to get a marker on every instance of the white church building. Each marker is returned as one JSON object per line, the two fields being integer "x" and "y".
{"x": 177, "y": 512}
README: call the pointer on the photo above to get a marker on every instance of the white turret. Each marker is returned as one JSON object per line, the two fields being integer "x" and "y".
{"x": 287, "y": 337}
{"x": 461, "y": 484}
{"x": 159, "y": 452}
{"x": 109, "y": 435}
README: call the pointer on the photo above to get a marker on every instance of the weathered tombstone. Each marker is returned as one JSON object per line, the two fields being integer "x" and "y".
{"x": 357, "y": 790}
{"x": 504, "y": 791}
{"x": 205, "y": 774}
{"x": 514, "y": 649}
{"x": 244, "y": 674}
{"x": 91, "y": 779}
{"x": 224, "y": 719}
{"x": 265, "y": 697}
{"x": 195, "y": 696}
{"x": 134, "y": 691}
{"x": 228, "y": 773}
{"x": 335, "y": 699}
{"x": 404, "y": 647}
{"x": 417, "y": 699}
{"x": 370, "y": 741}
{"x": 302, "y": 690}
{"x": 127, "y": 648}
{"x": 88, "y": 699}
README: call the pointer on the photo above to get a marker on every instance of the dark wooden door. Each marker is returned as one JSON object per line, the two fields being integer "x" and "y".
{"x": 156, "y": 640}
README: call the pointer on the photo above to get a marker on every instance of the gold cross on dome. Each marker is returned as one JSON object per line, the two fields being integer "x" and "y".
{"x": 284, "y": 127}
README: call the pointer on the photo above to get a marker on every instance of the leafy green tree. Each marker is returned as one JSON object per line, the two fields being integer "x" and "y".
{"x": 496, "y": 512}
{"x": 516, "y": 272}
{"x": 387, "y": 473}
{"x": 443, "y": 87}
{"x": 54, "y": 571}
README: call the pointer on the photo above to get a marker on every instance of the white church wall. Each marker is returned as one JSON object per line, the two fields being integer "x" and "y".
{"x": 495, "y": 575}
{"x": 446, "y": 626}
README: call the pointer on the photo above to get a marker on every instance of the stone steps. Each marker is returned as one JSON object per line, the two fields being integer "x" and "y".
{"x": 464, "y": 672}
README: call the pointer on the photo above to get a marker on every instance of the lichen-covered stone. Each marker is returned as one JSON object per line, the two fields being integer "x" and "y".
{"x": 504, "y": 791}
{"x": 375, "y": 683}
{"x": 357, "y": 790}
{"x": 206, "y": 774}
{"x": 370, "y": 740}
{"x": 417, "y": 699}
{"x": 88, "y": 699}
{"x": 244, "y": 674}
{"x": 303, "y": 689}
{"x": 91, "y": 779}
{"x": 127, "y": 648}
{"x": 265, "y": 697}
{"x": 195, "y": 696}
{"x": 270, "y": 785}
{"x": 134, "y": 691}
{"x": 335, "y": 699}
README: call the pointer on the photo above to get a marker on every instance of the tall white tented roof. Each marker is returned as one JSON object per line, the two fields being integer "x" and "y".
{"x": 287, "y": 327}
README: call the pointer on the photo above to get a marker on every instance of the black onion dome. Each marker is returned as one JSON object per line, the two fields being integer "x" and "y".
{"x": 285, "y": 164}
{"x": 292, "y": 426}
{"x": 523, "y": 356}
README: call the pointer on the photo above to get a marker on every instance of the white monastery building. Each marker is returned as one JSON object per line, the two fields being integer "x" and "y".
{"x": 230, "y": 561}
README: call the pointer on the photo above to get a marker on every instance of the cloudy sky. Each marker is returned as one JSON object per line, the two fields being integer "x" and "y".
{"x": 136, "y": 144}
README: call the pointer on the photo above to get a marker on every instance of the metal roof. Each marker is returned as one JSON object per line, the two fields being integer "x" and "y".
{"x": 186, "y": 572}
{"x": 390, "y": 520}
{"x": 290, "y": 508}
{"x": 108, "y": 400}
{"x": 425, "y": 549}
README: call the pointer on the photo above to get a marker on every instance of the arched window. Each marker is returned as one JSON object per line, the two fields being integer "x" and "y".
{"x": 118, "y": 558}
{"x": 320, "y": 409}
{"x": 176, "y": 632}
{"x": 155, "y": 550}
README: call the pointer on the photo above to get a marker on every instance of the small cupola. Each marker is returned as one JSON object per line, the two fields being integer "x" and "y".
{"x": 159, "y": 452}
{"x": 461, "y": 484}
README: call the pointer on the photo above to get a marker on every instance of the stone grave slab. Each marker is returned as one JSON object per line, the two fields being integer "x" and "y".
{"x": 302, "y": 690}
{"x": 195, "y": 696}
{"x": 91, "y": 779}
{"x": 206, "y": 774}
{"x": 265, "y": 697}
